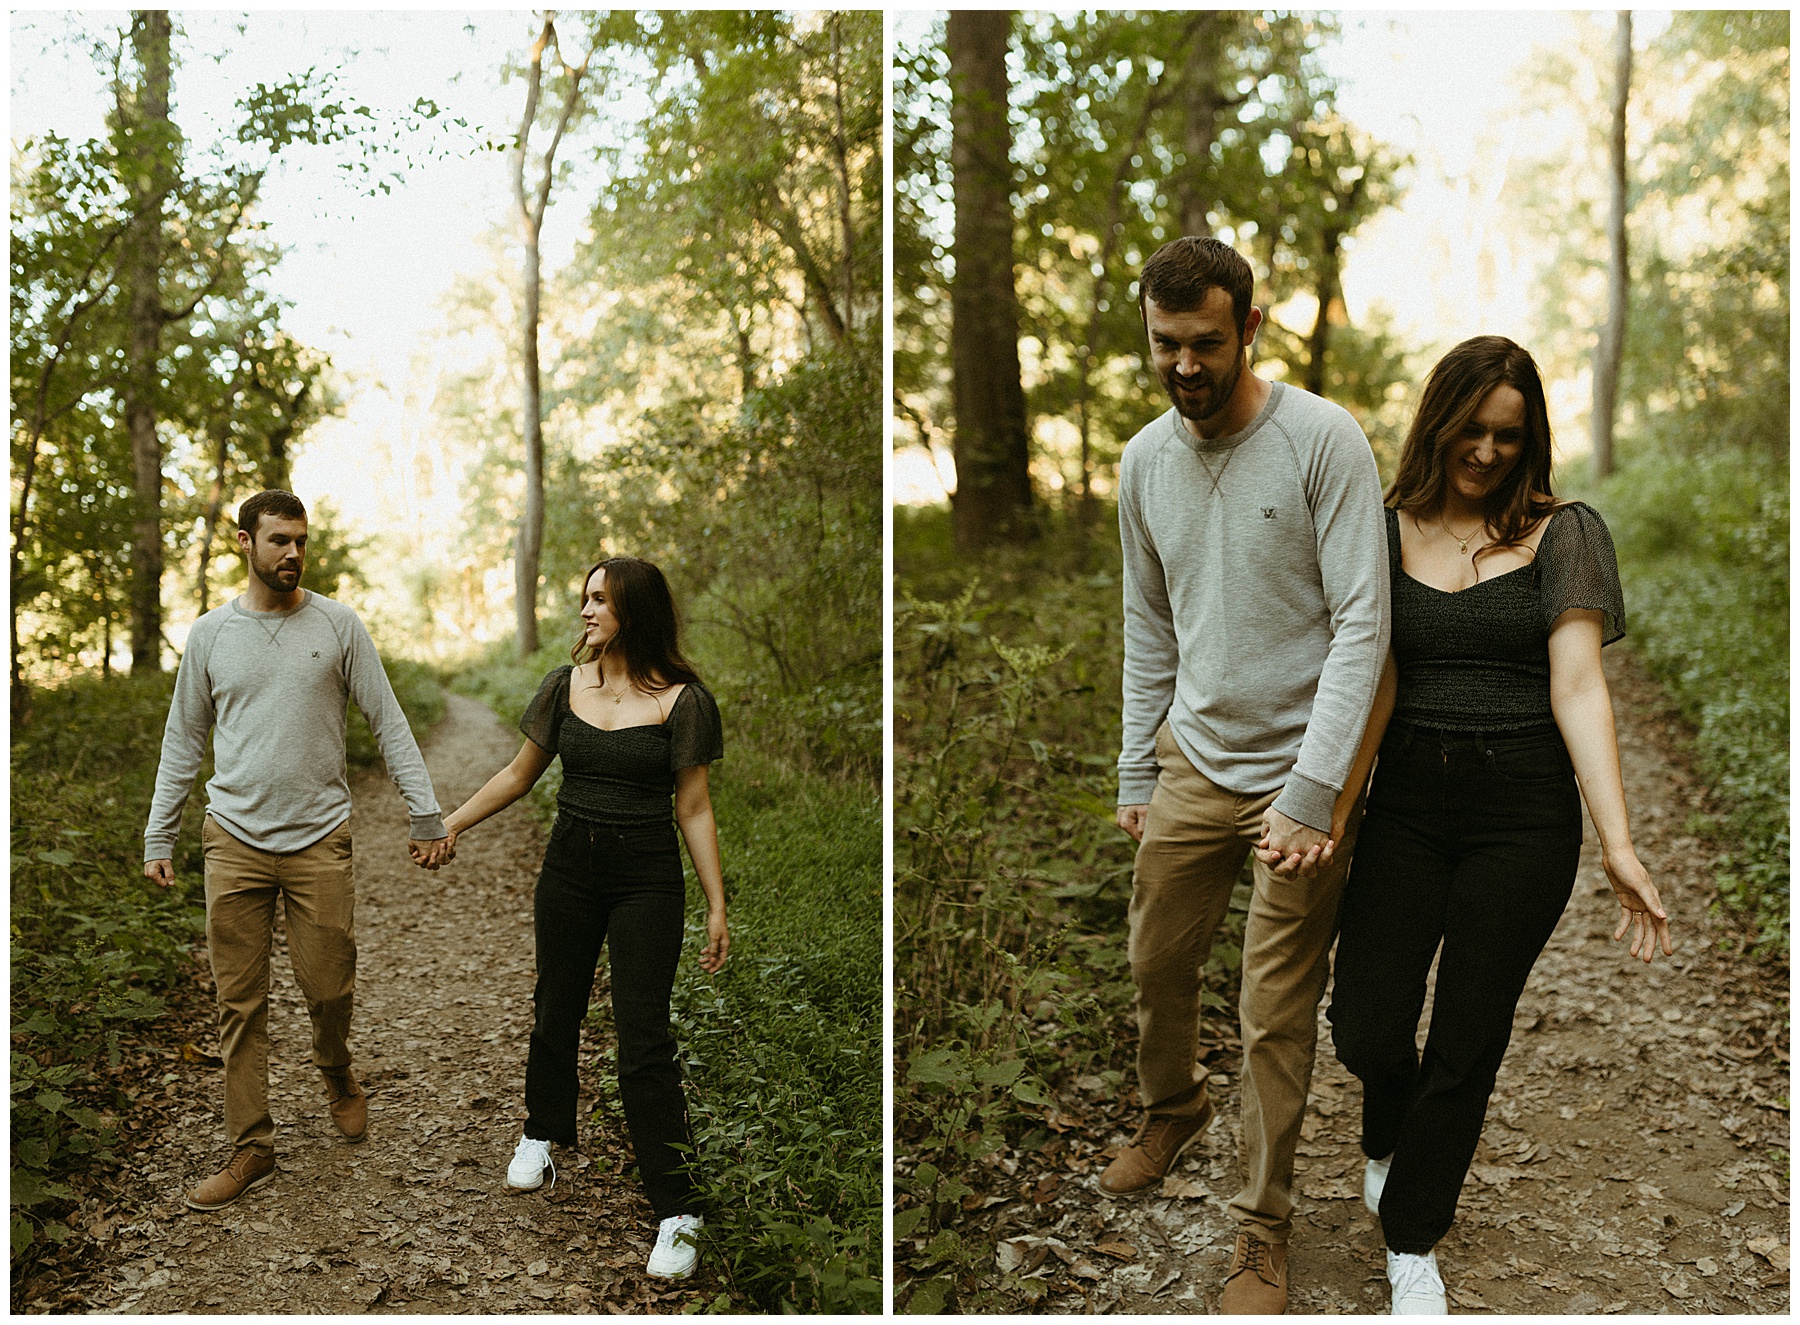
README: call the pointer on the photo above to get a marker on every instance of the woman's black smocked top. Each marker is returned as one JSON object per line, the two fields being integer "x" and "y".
{"x": 1479, "y": 659}
{"x": 627, "y": 775}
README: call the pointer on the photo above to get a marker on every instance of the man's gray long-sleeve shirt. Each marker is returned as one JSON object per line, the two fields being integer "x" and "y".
{"x": 1256, "y": 602}
{"x": 273, "y": 686}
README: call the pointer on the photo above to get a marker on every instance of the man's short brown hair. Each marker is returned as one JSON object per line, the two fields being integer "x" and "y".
{"x": 1180, "y": 273}
{"x": 272, "y": 501}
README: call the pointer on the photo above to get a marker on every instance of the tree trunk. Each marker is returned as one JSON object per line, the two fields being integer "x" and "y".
{"x": 215, "y": 504}
{"x": 992, "y": 502}
{"x": 1199, "y": 124}
{"x": 1329, "y": 292}
{"x": 529, "y": 549}
{"x": 1609, "y": 353}
{"x": 531, "y": 523}
{"x": 840, "y": 151}
{"x": 144, "y": 114}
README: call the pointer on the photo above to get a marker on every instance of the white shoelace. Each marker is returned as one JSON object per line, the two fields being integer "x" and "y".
{"x": 1415, "y": 1274}
{"x": 548, "y": 1162}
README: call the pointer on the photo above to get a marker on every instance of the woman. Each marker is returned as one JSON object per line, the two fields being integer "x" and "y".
{"x": 633, "y": 725}
{"x": 1502, "y": 599}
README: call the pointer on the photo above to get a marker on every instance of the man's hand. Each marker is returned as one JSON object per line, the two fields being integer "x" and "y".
{"x": 1132, "y": 819}
{"x": 1291, "y": 850}
{"x": 429, "y": 855}
{"x": 161, "y": 872}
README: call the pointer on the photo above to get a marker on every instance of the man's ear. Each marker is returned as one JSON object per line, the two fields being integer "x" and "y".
{"x": 1252, "y": 321}
{"x": 243, "y": 541}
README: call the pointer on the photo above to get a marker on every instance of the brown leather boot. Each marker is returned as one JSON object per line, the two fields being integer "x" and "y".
{"x": 349, "y": 1105}
{"x": 1153, "y": 1151}
{"x": 247, "y": 1169}
{"x": 1256, "y": 1281}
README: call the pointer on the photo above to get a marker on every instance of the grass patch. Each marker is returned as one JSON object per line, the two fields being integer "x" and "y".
{"x": 1703, "y": 552}
{"x": 96, "y": 947}
{"x": 782, "y": 1049}
{"x": 1011, "y": 882}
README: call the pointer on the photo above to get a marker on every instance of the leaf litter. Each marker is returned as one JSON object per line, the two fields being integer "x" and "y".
{"x": 418, "y": 1218}
{"x": 1634, "y": 1158}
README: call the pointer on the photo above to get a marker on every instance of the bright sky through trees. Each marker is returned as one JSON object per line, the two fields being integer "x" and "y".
{"x": 365, "y": 272}
{"x": 1441, "y": 85}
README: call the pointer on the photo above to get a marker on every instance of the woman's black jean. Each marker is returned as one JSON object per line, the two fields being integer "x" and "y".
{"x": 1470, "y": 840}
{"x": 618, "y": 884}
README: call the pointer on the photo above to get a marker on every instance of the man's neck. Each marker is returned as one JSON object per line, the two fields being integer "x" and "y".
{"x": 1246, "y": 403}
{"x": 259, "y": 597}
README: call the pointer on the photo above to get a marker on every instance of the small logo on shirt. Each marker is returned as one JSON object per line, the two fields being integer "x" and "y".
{"x": 315, "y": 653}
{"x": 1268, "y": 512}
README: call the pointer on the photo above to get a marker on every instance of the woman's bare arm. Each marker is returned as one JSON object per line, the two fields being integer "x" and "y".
{"x": 694, "y": 812}
{"x": 1583, "y": 710}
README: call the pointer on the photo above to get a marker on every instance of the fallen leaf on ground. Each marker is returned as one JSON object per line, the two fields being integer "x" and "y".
{"x": 1182, "y": 1189}
{"x": 1117, "y": 1249}
{"x": 1771, "y": 1249}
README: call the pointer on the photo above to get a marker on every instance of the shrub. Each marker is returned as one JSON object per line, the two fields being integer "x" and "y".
{"x": 1703, "y": 550}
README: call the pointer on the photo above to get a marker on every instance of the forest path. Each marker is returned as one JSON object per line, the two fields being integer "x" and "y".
{"x": 1635, "y": 1154}
{"x": 417, "y": 1218}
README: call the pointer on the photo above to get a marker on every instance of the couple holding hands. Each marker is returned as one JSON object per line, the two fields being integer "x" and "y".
{"x": 269, "y": 674}
{"x": 1288, "y": 629}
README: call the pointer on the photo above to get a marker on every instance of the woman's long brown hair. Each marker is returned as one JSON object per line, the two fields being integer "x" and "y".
{"x": 649, "y": 631}
{"x": 1453, "y": 392}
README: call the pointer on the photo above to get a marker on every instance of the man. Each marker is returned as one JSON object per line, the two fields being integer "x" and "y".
{"x": 1255, "y": 629}
{"x": 270, "y": 672}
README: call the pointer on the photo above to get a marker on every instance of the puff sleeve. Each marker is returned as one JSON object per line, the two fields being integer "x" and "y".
{"x": 543, "y": 716}
{"x": 696, "y": 736}
{"x": 1577, "y": 568}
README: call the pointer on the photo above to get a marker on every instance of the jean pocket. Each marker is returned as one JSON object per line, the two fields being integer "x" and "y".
{"x": 647, "y": 839}
{"x": 1535, "y": 763}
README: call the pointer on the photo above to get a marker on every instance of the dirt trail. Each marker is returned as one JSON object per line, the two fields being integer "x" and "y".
{"x": 417, "y": 1218}
{"x": 1634, "y": 1159}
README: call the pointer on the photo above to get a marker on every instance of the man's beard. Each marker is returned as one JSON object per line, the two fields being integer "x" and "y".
{"x": 272, "y": 575}
{"x": 1216, "y": 399}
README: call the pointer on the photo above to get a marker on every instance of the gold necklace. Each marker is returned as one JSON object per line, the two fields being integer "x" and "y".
{"x": 1462, "y": 543}
{"x": 604, "y": 687}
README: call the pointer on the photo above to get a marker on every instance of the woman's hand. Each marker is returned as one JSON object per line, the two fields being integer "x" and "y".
{"x": 1640, "y": 908}
{"x": 718, "y": 941}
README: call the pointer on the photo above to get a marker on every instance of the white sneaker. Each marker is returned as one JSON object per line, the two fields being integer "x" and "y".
{"x": 677, "y": 1248}
{"x": 1418, "y": 1288}
{"x": 1374, "y": 1179}
{"x": 526, "y": 1172}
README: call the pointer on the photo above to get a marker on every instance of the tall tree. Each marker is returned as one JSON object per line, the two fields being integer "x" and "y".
{"x": 1610, "y": 352}
{"x": 147, "y": 138}
{"x": 532, "y": 205}
{"x": 992, "y": 502}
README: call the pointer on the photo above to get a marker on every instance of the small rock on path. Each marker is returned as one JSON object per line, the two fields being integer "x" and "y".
{"x": 418, "y": 1217}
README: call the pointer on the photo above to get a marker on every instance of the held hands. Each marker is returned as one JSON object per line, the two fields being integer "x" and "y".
{"x": 1640, "y": 908}
{"x": 1291, "y": 850}
{"x": 718, "y": 942}
{"x": 431, "y": 854}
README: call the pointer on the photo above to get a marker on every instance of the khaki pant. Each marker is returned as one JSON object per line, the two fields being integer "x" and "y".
{"x": 1195, "y": 841}
{"x": 242, "y": 884}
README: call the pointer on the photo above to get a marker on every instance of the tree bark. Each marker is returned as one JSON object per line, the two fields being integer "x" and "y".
{"x": 215, "y": 503}
{"x": 528, "y": 551}
{"x": 1609, "y": 353}
{"x": 1200, "y": 119}
{"x": 992, "y": 502}
{"x": 1329, "y": 290}
{"x": 144, "y": 116}
{"x": 840, "y": 151}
